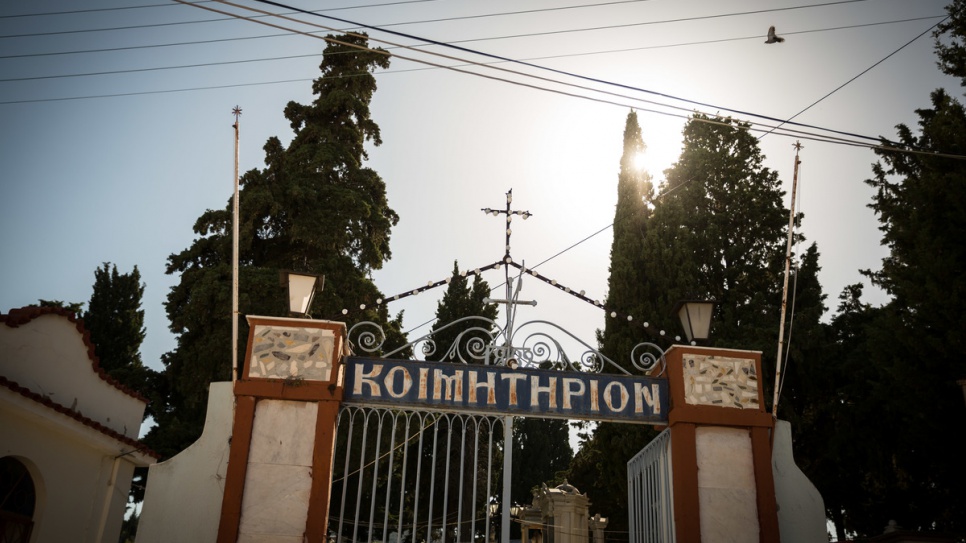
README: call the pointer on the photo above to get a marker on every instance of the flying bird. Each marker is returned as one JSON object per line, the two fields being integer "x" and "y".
{"x": 772, "y": 38}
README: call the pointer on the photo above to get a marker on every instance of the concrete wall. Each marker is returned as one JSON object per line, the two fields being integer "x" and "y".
{"x": 73, "y": 464}
{"x": 48, "y": 355}
{"x": 54, "y": 408}
{"x": 278, "y": 481}
{"x": 182, "y": 501}
{"x": 726, "y": 485}
{"x": 801, "y": 510}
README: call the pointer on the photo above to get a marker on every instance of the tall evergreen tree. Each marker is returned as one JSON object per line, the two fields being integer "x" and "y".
{"x": 627, "y": 291}
{"x": 459, "y": 301}
{"x": 724, "y": 210}
{"x": 315, "y": 207}
{"x": 891, "y": 376}
{"x": 917, "y": 339}
{"x": 717, "y": 231}
{"x": 599, "y": 468}
{"x": 116, "y": 322}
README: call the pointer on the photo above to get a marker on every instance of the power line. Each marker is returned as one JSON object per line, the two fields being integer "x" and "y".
{"x": 143, "y": 93}
{"x": 803, "y": 135}
{"x": 94, "y": 10}
{"x": 601, "y": 52}
{"x": 606, "y": 27}
{"x": 540, "y": 67}
{"x": 711, "y": 119}
{"x": 97, "y": 10}
{"x": 546, "y": 57}
{"x": 800, "y": 134}
{"x": 860, "y": 74}
{"x": 157, "y": 68}
{"x": 321, "y": 13}
{"x": 504, "y": 13}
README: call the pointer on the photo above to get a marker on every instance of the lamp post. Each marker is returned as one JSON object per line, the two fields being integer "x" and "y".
{"x": 301, "y": 289}
{"x": 494, "y": 508}
{"x": 695, "y": 316}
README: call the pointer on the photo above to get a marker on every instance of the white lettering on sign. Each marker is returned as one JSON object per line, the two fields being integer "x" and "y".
{"x": 368, "y": 379}
{"x": 513, "y": 378}
{"x": 501, "y": 390}
{"x": 489, "y": 385}
{"x": 452, "y": 384}
{"x": 569, "y": 392}
{"x": 609, "y": 396}
{"x": 536, "y": 390}
{"x": 407, "y": 382}
{"x": 651, "y": 397}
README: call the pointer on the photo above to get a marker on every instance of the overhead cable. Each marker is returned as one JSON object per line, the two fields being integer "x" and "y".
{"x": 545, "y": 68}
{"x": 166, "y": 5}
{"x": 860, "y": 74}
{"x": 568, "y": 55}
{"x": 711, "y": 120}
{"x": 320, "y": 14}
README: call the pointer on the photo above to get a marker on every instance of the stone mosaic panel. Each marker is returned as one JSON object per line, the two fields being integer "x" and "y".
{"x": 280, "y": 352}
{"x": 721, "y": 381}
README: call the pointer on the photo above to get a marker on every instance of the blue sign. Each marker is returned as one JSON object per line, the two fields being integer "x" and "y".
{"x": 501, "y": 390}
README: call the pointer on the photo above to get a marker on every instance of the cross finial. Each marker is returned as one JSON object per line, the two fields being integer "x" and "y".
{"x": 511, "y": 300}
{"x": 509, "y": 217}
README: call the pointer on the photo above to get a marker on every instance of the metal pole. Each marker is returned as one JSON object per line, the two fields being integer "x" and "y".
{"x": 234, "y": 260}
{"x": 507, "y": 467}
{"x": 788, "y": 263}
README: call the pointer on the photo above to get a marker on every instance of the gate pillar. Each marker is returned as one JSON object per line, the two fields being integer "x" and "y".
{"x": 721, "y": 470}
{"x": 286, "y": 403}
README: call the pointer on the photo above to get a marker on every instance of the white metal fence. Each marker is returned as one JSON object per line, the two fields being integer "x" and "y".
{"x": 649, "y": 494}
{"x": 415, "y": 476}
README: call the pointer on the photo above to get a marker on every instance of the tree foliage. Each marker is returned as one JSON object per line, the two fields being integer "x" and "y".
{"x": 723, "y": 211}
{"x": 116, "y": 322}
{"x": 541, "y": 454}
{"x": 599, "y": 468}
{"x": 462, "y": 341}
{"x": 74, "y": 307}
{"x": 626, "y": 293}
{"x": 718, "y": 230}
{"x": 916, "y": 340}
{"x": 951, "y": 41}
{"x": 315, "y": 207}
{"x": 895, "y": 380}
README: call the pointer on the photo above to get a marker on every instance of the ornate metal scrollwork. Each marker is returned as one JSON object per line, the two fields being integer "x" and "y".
{"x": 645, "y": 356}
{"x": 366, "y": 336}
{"x": 531, "y": 345}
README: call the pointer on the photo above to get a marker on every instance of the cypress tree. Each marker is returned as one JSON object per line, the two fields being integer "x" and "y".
{"x": 116, "y": 322}
{"x": 315, "y": 207}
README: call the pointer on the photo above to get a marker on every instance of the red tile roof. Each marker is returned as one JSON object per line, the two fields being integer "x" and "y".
{"x": 43, "y": 400}
{"x": 19, "y": 317}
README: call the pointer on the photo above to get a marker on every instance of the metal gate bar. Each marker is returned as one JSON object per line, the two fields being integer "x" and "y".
{"x": 649, "y": 494}
{"x": 409, "y": 476}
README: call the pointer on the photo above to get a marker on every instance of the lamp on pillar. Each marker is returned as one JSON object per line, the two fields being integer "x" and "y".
{"x": 494, "y": 508}
{"x": 301, "y": 289}
{"x": 695, "y": 318}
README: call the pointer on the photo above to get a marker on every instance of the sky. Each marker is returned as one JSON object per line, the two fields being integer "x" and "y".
{"x": 116, "y": 128}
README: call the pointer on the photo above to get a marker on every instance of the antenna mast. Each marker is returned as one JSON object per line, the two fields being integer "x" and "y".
{"x": 788, "y": 262}
{"x": 236, "y": 111}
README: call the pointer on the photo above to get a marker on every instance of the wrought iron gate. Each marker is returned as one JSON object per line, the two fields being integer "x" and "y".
{"x": 423, "y": 449}
{"x": 406, "y": 476}
{"x": 649, "y": 493}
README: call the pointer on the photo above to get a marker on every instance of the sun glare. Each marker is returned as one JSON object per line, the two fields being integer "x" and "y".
{"x": 640, "y": 161}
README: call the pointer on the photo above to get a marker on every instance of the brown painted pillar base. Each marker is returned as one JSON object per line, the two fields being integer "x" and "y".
{"x": 286, "y": 405}
{"x": 721, "y": 455}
